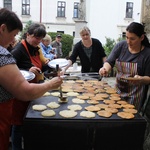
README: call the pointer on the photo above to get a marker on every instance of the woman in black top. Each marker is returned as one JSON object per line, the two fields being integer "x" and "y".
{"x": 90, "y": 52}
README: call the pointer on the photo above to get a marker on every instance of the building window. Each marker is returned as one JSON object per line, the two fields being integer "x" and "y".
{"x": 61, "y": 6}
{"x": 8, "y": 4}
{"x": 123, "y": 35}
{"x": 25, "y": 7}
{"x": 129, "y": 10}
{"x": 73, "y": 34}
{"x": 76, "y": 10}
{"x": 62, "y": 32}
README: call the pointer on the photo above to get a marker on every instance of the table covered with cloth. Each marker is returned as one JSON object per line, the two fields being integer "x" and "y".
{"x": 79, "y": 133}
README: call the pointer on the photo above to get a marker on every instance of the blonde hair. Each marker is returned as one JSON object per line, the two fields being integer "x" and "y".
{"x": 85, "y": 28}
{"x": 47, "y": 37}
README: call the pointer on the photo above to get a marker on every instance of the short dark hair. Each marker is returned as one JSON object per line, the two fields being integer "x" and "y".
{"x": 58, "y": 35}
{"x": 10, "y": 19}
{"x": 37, "y": 29}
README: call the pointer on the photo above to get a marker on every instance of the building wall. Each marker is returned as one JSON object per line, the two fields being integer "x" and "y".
{"x": 104, "y": 18}
{"x": 107, "y": 18}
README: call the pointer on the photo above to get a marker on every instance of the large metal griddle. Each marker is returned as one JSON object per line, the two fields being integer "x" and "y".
{"x": 63, "y": 106}
{"x": 80, "y": 133}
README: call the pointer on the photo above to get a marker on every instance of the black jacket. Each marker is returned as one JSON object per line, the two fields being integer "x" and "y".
{"x": 96, "y": 56}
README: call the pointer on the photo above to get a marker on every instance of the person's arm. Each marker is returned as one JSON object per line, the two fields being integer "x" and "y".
{"x": 13, "y": 81}
{"x": 104, "y": 59}
{"x": 65, "y": 68}
{"x": 104, "y": 71}
{"x": 143, "y": 79}
{"x": 43, "y": 59}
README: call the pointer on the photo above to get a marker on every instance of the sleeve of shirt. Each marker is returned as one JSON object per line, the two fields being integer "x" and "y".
{"x": 75, "y": 52}
{"x": 6, "y": 57}
{"x": 114, "y": 55}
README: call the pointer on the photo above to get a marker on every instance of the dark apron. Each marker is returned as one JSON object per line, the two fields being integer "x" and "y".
{"x": 20, "y": 107}
{"x": 5, "y": 123}
{"x": 129, "y": 92}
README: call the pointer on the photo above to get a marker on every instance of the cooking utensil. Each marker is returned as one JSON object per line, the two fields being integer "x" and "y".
{"x": 86, "y": 76}
{"x": 60, "y": 89}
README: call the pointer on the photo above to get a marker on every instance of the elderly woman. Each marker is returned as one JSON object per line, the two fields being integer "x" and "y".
{"x": 47, "y": 49}
{"x": 90, "y": 52}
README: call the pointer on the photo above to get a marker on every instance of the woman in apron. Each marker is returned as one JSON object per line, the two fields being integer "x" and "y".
{"x": 132, "y": 59}
{"x": 30, "y": 54}
{"x": 12, "y": 83}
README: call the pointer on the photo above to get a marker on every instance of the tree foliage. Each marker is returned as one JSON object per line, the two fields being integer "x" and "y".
{"x": 67, "y": 42}
{"x": 110, "y": 43}
{"x": 25, "y": 29}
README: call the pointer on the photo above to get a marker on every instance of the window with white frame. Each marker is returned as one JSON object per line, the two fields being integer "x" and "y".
{"x": 76, "y": 10}
{"x": 61, "y": 6}
{"x": 129, "y": 10}
{"x": 8, "y": 4}
{"x": 25, "y": 7}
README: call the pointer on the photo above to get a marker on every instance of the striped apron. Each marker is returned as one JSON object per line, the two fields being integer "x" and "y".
{"x": 130, "y": 92}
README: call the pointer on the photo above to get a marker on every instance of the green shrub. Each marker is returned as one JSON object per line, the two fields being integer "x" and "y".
{"x": 110, "y": 43}
{"x": 67, "y": 42}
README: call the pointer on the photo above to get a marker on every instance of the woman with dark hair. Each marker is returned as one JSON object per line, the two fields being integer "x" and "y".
{"x": 132, "y": 59}
{"x": 27, "y": 55}
{"x": 12, "y": 83}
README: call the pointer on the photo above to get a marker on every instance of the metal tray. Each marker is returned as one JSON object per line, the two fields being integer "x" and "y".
{"x": 28, "y": 75}
{"x": 60, "y": 61}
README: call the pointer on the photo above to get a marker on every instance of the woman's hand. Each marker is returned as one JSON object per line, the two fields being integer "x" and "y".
{"x": 56, "y": 82}
{"x": 62, "y": 72}
{"x": 35, "y": 70}
{"x": 103, "y": 72}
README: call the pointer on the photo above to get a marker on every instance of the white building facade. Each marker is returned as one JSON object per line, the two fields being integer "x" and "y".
{"x": 107, "y": 18}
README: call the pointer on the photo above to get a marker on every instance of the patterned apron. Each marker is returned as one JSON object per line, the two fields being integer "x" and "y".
{"x": 20, "y": 107}
{"x": 130, "y": 92}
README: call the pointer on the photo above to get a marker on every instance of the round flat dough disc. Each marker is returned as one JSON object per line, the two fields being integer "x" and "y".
{"x": 83, "y": 97}
{"x": 39, "y": 107}
{"x": 92, "y": 108}
{"x": 104, "y": 113}
{"x": 132, "y": 110}
{"x": 68, "y": 113}
{"x": 112, "y": 110}
{"x": 128, "y": 106}
{"x": 87, "y": 114}
{"x": 78, "y": 101}
{"x": 72, "y": 94}
{"x": 102, "y": 106}
{"x": 53, "y": 105}
{"x": 92, "y": 102}
{"x": 122, "y": 102}
{"x": 74, "y": 107}
{"x": 55, "y": 93}
{"x": 125, "y": 115}
{"x": 48, "y": 113}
